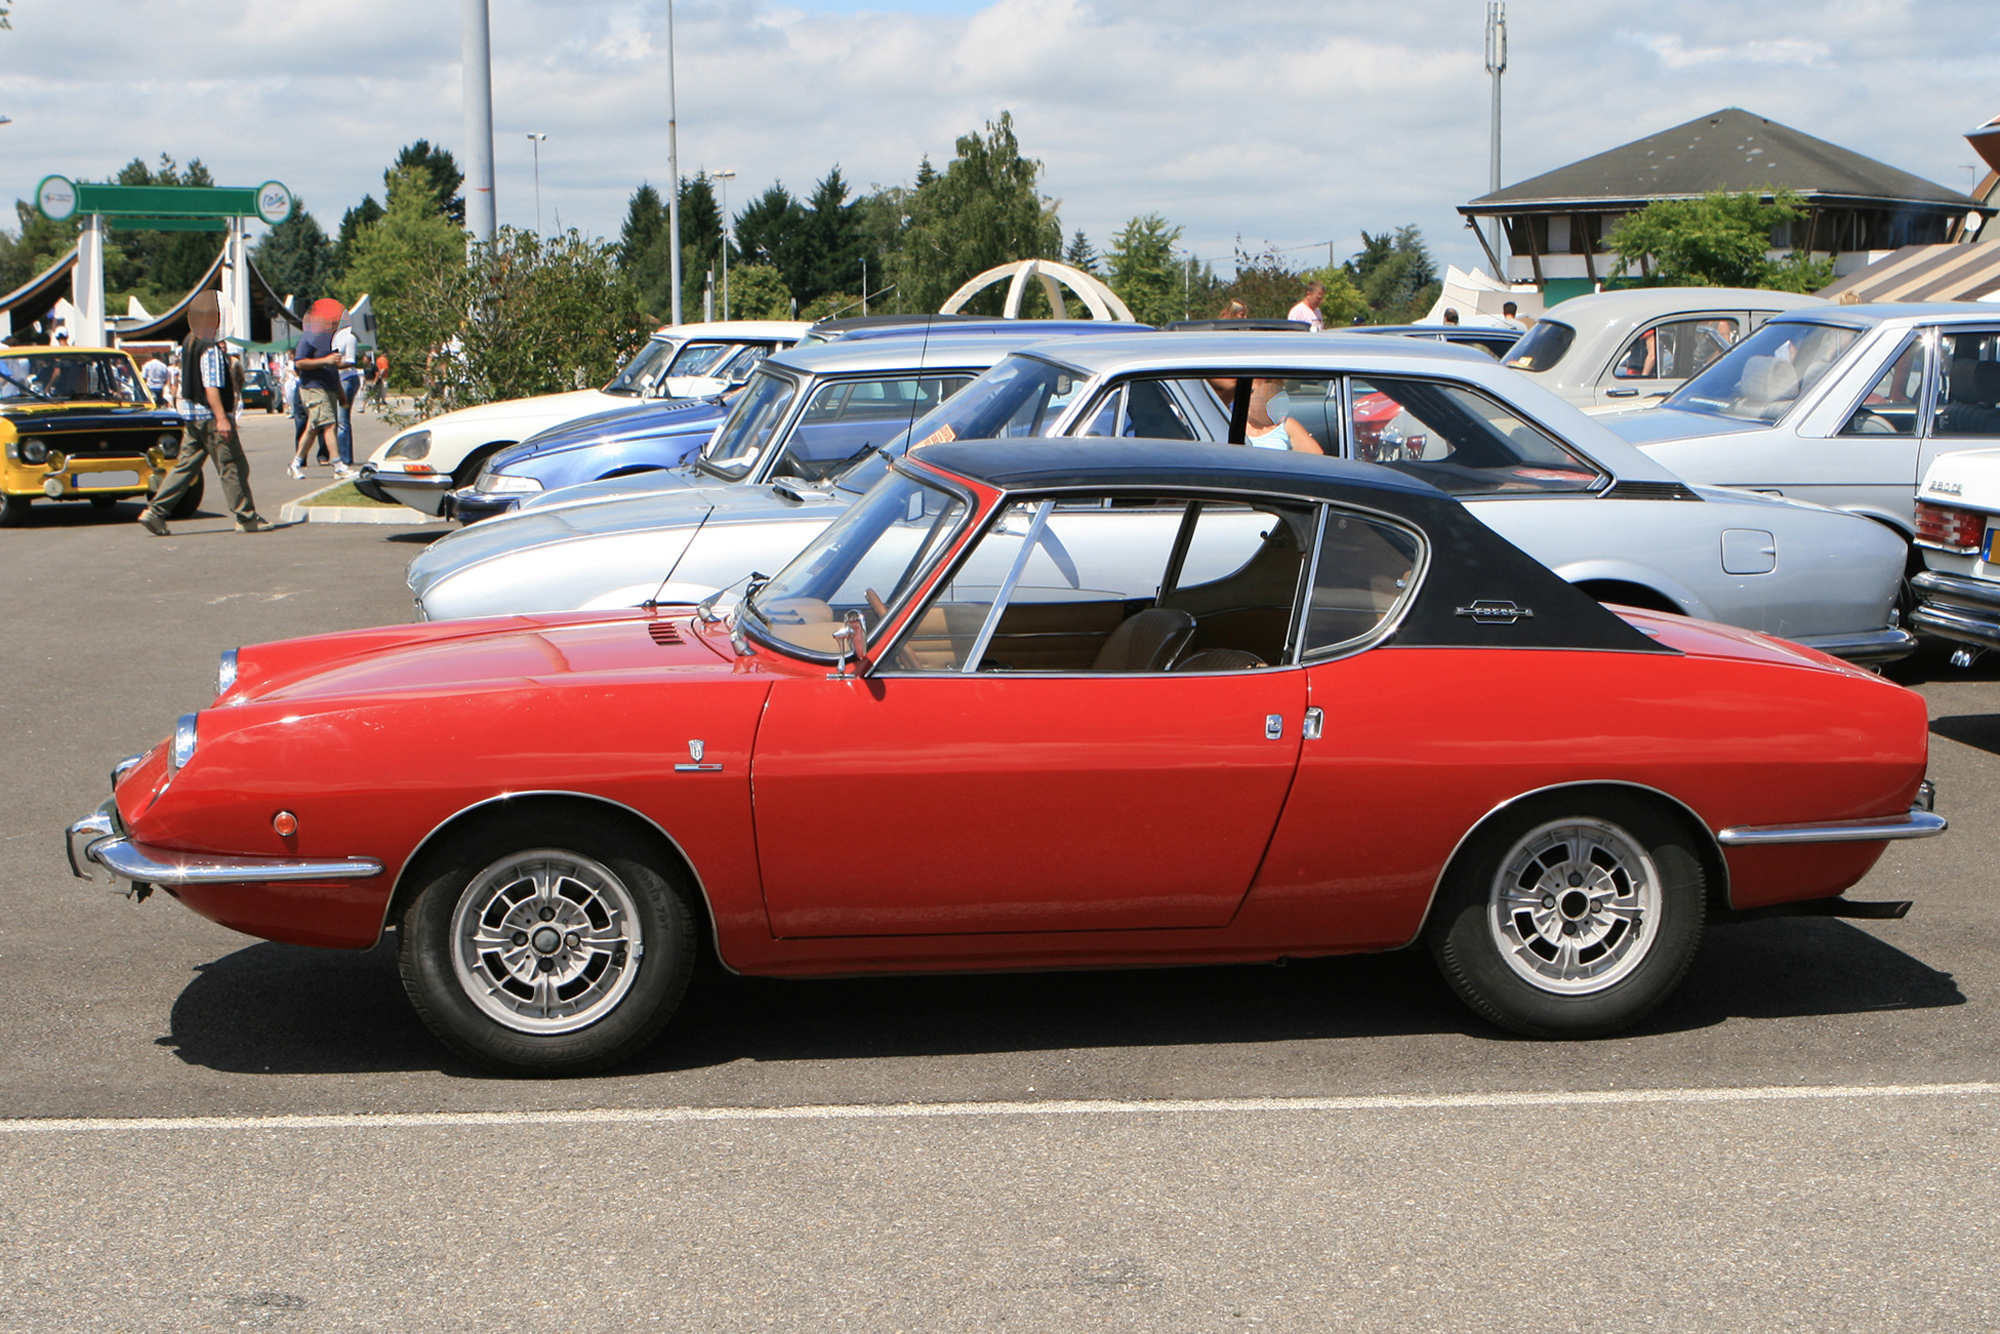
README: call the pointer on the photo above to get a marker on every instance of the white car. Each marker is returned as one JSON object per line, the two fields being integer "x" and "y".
{"x": 422, "y": 465}
{"x": 1958, "y": 520}
{"x": 1612, "y": 351}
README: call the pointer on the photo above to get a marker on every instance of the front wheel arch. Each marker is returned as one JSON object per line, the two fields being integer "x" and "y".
{"x": 475, "y": 459}
{"x": 496, "y": 811}
{"x": 1713, "y": 864}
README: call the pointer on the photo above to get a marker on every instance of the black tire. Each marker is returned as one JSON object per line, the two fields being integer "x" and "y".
{"x": 104, "y": 502}
{"x": 478, "y": 1002}
{"x": 14, "y": 510}
{"x": 190, "y": 501}
{"x": 1510, "y": 964}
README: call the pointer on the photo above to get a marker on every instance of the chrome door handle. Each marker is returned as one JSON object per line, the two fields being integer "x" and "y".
{"x": 1315, "y": 721}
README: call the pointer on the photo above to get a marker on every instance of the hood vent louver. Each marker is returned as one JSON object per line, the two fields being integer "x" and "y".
{"x": 1651, "y": 491}
{"x": 664, "y": 632}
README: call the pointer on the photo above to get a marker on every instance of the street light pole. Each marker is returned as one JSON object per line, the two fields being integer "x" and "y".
{"x": 725, "y": 177}
{"x": 1496, "y": 65}
{"x": 674, "y": 172}
{"x": 476, "y": 75}
{"x": 536, "y": 140}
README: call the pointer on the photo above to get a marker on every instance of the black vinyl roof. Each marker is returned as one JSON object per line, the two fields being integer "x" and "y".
{"x": 1731, "y": 149}
{"x": 1472, "y": 566}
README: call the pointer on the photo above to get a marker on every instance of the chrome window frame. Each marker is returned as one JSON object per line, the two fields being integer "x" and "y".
{"x": 1934, "y": 385}
{"x": 1383, "y": 628}
{"x": 1925, "y": 392}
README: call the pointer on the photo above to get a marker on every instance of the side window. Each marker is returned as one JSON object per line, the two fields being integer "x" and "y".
{"x": 1366, "y": 569}
{"x": 739, "y": 366}
{"x": 1891, "y": 405}
{"x": 1119, "y": 583}
{"x": 1460, "y": 440}
{"x": 843, "y": 419}
{"x": 1969, "y": 393}
{"x": 1139, "y": 409}
{"x": 1677, "y": 349}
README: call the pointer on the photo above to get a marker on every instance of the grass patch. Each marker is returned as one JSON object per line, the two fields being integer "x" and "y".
{"x": 345, "y": 495}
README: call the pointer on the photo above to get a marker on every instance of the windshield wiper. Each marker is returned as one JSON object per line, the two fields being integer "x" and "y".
{"x": 704, "y": 610}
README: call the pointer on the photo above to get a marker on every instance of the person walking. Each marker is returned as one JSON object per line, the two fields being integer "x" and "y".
{"x": 208, "y": 403}
{"x": 1307, "y": 311}
{"x": 319, "y": 381}
{"x": 348, "y": 350}
{"x": 156, "y": 374}
{"x": 378, "y": 388}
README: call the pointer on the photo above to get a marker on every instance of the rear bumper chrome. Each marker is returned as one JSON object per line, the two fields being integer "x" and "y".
{"x": 1951, "y": 606}
{"x": 96, "y": 842}
{"x": 1917, "y": 822}
{"x": 1866, "y": 647}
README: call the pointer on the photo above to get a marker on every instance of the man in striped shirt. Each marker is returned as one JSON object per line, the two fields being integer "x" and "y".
{"x": 208, "y": 403}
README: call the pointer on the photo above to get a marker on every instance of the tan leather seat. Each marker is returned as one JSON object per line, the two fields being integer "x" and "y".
{"x": 1148, "y": 642}
{"x": 1220, "y": 660}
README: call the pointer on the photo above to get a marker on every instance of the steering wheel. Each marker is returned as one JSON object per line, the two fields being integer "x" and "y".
{"x": 902, "y": 658}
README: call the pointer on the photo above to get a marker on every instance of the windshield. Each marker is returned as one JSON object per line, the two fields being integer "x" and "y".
{"x": 750, "y": 427}
{"x": 844, "y": 419}
{"x": 1022, "y": 396}
{"x": 698, "y": 358}
{"x": 866, "y": 562}
{"x": 1760, "y": 378}
{"x": 71, "y": 377}
{"x": 1542, "y": 346}
{"x": 645, "y": 370}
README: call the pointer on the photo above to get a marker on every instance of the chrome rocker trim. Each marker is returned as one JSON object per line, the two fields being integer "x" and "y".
{"x": 96, "y": 841}
{"x": 1866, "y": 647}
{"x": 1916, "y": 823}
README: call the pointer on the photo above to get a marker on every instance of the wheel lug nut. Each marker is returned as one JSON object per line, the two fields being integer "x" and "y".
{"x": 520, "y": 937}
{"x": 1548, "y": 900}
{"x": 546, "y": 965}
{"x": 571, "y": 940}
{"x": 547, "y": 914}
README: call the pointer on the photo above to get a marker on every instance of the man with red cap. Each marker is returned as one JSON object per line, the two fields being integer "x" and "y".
{"x": 208, "y": 403}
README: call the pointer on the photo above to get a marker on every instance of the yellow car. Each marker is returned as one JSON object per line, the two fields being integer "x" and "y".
{"x": 78, "y": 424}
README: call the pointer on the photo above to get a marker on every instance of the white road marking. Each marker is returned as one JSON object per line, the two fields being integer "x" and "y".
{"x": 645, "y": 1116}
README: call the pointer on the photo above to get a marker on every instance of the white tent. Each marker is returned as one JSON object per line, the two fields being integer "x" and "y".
{"x": 1478, "y": 298}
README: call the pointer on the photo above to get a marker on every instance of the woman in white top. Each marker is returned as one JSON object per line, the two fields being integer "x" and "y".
{"x": 1262, "y": 432}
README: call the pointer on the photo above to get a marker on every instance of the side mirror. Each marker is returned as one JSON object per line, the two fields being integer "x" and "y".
{"x": 852, "y": 636}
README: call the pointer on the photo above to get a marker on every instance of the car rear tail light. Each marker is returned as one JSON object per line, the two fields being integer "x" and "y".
{"x": 1949, "y": 529}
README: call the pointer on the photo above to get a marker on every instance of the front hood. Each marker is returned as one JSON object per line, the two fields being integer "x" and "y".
{"x": 603, "y": 428}
{"x": 531, "y": 529}
{"x": 633, "y": 485}
{"x": 459, "y": 656}
{"x": 547, "y": 407}
{"x": 31, "y": 417}
{"x": 1966, "y": 477}
{"x": 1653, "y": 425}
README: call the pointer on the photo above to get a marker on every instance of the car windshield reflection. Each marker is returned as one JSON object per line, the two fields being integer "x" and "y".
{"x": 1760, "y": 378}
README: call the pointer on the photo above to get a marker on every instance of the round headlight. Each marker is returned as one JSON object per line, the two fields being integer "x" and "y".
{"x": 225, "y": 675}
{"x": 415, "y": 445}
{"x": 34, "y": 451}
{"x": 184, "y": 741}
{"x": 169, "y": 445}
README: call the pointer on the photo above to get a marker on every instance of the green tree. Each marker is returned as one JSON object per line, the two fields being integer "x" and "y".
{"x": 1081, "y": 254}
{"x": 832, "y": 243}
{"x": 352, "y": 223}
{"x": 446, "y": 178}
{"x": 38, "y": 244}
{"x": 701, "y": 245}
{"x": 770, "y": 231}
{"x": 758, "y": 292}
{"x": 1144, "y": 273}
{"x": 296, "y": 257}
{"x": 1719, "y": 240}
{"x": 985, "y": 209}
{"x": 159, "y": 268}
{"x": 412, "y": 243}
{"x": 1395, "y": 274}
{"x": 524, "y": 315}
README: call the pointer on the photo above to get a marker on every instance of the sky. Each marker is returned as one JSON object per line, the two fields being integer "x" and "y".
{"x": 1292, "y": 123}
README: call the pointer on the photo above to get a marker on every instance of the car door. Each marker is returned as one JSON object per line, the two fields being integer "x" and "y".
{"x": 1666, "y": 353}
{"x": 1005, "y": 770}
{"x": 1874, "y": 458}
{"x": 1964, "y": 395}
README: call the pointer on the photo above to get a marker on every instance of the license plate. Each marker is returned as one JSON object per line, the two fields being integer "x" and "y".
{"x": 90, "y": 481}
{"x": 1986, "y": 547}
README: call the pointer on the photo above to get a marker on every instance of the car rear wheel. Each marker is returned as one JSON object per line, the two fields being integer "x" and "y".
{"x": 548, "y": 946}
{"x": 1570, "y": 917}
{"x": 14, "y": 510}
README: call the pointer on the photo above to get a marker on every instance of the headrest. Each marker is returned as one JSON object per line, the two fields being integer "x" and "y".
{"x": 1769, "y": 379}
{"x": 1986, "y": 383}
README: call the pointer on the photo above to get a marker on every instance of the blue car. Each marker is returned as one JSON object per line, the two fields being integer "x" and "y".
{"x": 617, "y": 443}
{"x": 654, "y": 438}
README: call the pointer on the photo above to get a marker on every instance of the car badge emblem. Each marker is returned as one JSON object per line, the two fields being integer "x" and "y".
{"x": 1494, "y": 611}
{"x": 1943, "y": 487}
{"x": 694, "y": 751}
{"x": 694, "y": 764}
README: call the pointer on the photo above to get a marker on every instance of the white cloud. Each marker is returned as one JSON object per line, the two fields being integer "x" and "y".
{"x": 1292, "y": 121}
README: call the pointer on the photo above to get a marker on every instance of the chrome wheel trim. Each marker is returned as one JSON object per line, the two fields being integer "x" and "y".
{"x": 546, "y": 941}
{"x": 1575, "y": 906}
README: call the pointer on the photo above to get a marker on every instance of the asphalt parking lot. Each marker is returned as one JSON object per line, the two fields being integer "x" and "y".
{"x": 208, "y": 1131}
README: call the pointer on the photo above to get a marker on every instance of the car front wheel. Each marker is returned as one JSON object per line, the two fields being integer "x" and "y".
{"x": 1570, "y": 918}
{"x": 548, "y": 947}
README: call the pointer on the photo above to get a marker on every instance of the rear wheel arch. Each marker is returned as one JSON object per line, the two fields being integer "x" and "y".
{"x": 469, "y": 466}
{"x": 499, "y": 811}
{"x": 1700, "y": 837}
{"x": 1628, "y": 594}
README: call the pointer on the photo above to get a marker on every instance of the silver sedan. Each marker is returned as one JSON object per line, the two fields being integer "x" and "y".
{"x": 1550, "y": 479}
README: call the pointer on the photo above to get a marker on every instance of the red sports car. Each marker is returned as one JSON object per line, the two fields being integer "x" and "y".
{"x": 1035, "y": 705}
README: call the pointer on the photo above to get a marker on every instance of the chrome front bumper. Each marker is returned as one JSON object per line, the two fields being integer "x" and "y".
{"x": 1867, "y": 648}
{"x": 1951, "y": 606}
{"x": 424, "y": 492}
{"x": 98, "y": 842}
{"x": 1920, "y": 821}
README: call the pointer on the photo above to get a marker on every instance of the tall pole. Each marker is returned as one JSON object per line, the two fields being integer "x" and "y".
{"x": 1496, "y": 65}
{"x": 536, "y": 140}
{"x": 725, "y": 177}
{"x": 476, "y": 66}
{"x": 674, "y": 173}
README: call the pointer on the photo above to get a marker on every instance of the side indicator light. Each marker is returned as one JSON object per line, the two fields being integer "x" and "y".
{"x": 285, "y": 824}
